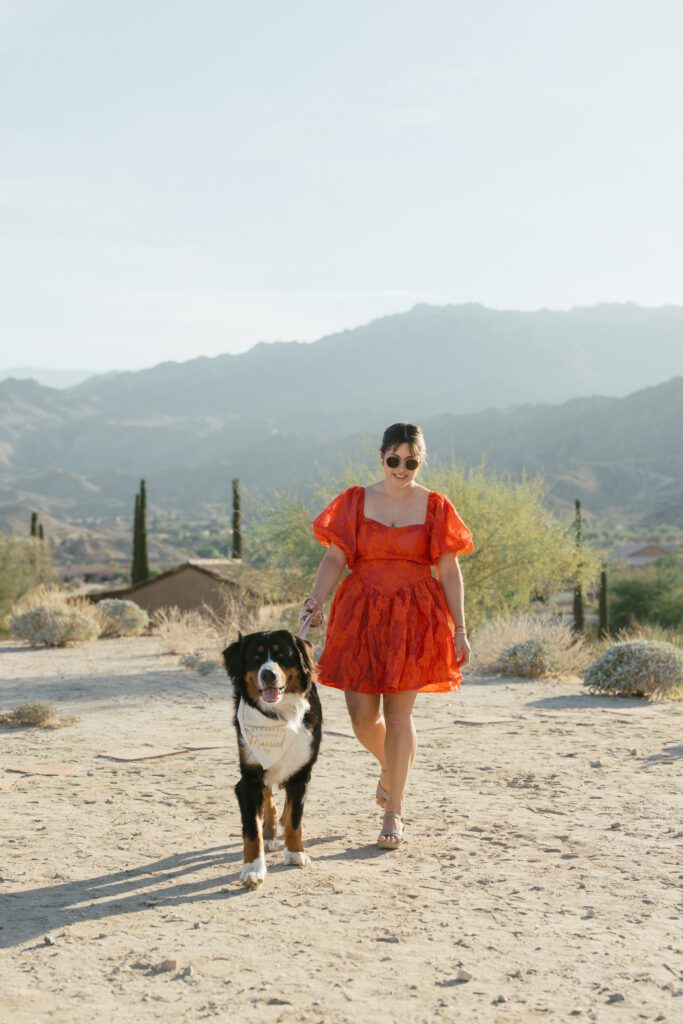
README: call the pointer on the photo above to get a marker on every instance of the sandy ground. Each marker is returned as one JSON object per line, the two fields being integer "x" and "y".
{"x": 543, "y": 858}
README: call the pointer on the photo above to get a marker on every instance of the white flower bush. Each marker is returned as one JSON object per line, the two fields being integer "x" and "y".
{"x": 638, "y": 668}
{"x": 530, "y": 659}
{"x": 55, "y": 625}
{"x": 121, "y": 618}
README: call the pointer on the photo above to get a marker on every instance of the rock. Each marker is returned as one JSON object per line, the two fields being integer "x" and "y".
{"x": 461, "y": 975}
{"x": 388, "y": 938}
{"x": 616, "y": 997}
{"x": 596, "y": 764}
{"x": 188, "y": 972}
{"x": 48, "y": 940}
{"x": 278, "y": 1002}
{"x": 168, "y": 965}
{"x": 499, "y": 999}
{"x": 615, "y": 825}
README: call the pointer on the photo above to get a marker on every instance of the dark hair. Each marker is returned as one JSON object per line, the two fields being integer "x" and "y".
{"x": 404, "y": 433}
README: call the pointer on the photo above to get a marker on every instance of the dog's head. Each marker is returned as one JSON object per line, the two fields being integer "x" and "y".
{"x": 266, "y": 666}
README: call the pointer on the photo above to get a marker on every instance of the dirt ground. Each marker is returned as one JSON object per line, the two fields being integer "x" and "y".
{"x": 540, "y": 879}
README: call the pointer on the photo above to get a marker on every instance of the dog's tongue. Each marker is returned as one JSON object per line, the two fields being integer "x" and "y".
{"x": 270, "y": 694}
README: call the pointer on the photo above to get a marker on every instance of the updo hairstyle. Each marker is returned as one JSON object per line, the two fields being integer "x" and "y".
{"x": 404, "y": 433}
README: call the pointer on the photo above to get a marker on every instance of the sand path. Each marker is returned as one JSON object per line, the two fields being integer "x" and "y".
{"x": 543, "y": 858}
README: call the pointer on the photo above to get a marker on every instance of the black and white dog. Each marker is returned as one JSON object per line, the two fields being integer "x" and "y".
{"x": 278, "y": 720}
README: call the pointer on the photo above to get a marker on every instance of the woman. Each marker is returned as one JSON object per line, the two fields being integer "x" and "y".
{"x": 394, "y": 630}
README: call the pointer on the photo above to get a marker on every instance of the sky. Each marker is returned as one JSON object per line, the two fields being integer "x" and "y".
{"x": 189, "y": 178}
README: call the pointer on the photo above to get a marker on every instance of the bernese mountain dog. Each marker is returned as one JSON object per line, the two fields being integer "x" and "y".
{"x": 278, "y": 720}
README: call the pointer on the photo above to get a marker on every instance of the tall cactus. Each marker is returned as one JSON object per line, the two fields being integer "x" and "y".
{"x": 135, "y": 565}
{"x": 236, "y": 521}
{"x": 41, "y": 532}
{"x": 603, "y": 612}
{"x": 140, "y": 566}
{"x": 144, "y": 564}
{"x": 579, "y": 618}
{"x": 34, "y": 524}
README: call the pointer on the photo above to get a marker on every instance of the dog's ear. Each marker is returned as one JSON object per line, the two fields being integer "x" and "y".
{"x": 233, "y": 656}
{"x": 305, "y": 656}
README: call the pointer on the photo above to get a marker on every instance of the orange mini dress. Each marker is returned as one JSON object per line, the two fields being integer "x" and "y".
{"x": 390, "y": 628}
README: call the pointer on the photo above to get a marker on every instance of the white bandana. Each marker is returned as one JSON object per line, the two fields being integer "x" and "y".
{"x": 267, "y": 738}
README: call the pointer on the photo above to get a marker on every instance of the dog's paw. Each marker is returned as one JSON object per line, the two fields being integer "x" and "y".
{"x": 295, "y": 859}
{"x": 254, "y": 873}
{"x": 270, "y": 845}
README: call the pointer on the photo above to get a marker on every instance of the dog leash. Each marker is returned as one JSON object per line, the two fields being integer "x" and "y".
{"x": 305, "y": 626}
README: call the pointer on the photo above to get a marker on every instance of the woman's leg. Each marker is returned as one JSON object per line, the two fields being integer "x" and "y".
{"x": 368, "y": 724}
{"x": 400, "y": 745}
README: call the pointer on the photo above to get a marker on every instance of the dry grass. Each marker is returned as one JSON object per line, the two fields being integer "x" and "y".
{"x": 568, "y": 654}
{"x": 651, "y": 632}
{"x": 183, "y": 632}
{"x": 36, "y": 716}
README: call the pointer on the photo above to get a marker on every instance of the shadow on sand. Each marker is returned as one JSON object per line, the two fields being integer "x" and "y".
{"x": 168, "y": 882}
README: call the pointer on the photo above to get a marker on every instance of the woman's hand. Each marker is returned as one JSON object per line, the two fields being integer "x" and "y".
{"x": 311, "y": 605}
{"x": 462, "y": 648}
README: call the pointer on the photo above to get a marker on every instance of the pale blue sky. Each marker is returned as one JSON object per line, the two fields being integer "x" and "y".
{"x": 187, "y": 178}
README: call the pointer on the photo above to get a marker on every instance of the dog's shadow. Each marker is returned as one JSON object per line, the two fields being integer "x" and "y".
{"x": 169, "y": 882}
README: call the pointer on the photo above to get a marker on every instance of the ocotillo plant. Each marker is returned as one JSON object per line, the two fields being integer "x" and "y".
{"x": 41, "y": 533}
{"x": 34, "y": 524}
{"x": 579, "y": 619}
{"x": 603, "y": 614}
{"x": 236, "y": 521}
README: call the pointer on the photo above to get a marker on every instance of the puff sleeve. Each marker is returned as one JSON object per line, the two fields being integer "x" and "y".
{"x": 337, "y": 523}
{"x": 449, "y": 533}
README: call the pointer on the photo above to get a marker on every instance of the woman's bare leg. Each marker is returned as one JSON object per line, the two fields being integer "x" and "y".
{"x": 368, "y": 725}
{"x": 400, "y": 745}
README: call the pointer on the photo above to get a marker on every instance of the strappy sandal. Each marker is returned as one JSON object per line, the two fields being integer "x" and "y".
{"x": 391, "y": 839}
{"x": 381, "y": 795}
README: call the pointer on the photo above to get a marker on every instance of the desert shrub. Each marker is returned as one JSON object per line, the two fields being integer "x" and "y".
{"x": 653, "y": 596}
{"x": 529, "y": 659}
{"x": 121, "y": 618}
{"x": 521, "y": 550}
{"x": 638, "y": 668}
{"x": 512, "y": 640}
{"x": 25, "y": 563}
{"x": 36, "y": 716}
{"x": 182, "y": 632}
{"x": 55, "y": 625}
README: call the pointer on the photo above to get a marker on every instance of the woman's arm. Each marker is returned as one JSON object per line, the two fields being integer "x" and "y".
{"x": 454, "y": 591}
{"x": 330, "y": 569}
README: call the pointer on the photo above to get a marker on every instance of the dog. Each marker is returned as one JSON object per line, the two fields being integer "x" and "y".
{"x": 278, "y": 720}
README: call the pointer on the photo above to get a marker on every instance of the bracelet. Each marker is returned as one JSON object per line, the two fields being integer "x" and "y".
{"x": 317, "y": 605}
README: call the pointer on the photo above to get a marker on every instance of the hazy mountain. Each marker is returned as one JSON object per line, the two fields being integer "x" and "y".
{"x": 482, "y": 383}
{"x": 456, "y": 359}
{"x": 50, "y": 378}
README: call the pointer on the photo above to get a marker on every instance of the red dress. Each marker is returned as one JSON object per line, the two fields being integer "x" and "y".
{"x": 390, "y": 628}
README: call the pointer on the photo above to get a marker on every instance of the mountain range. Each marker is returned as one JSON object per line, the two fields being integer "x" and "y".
{"x": 591, "y": 398}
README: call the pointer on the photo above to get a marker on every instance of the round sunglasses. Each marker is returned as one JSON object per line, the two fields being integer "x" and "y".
{"x": 394, "y": 461}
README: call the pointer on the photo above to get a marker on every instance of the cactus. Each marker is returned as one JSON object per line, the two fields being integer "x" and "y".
{"x": 34, "y": 524}
{"x": 603, "y": 623}
{"x": 140, "y": 566}
{"x": 236, "y": 521}
{"x": 579, "y": 619}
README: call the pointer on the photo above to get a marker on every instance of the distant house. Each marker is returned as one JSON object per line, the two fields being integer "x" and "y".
{"x": 639, "y": 555}
{"x": 196, "y": 582}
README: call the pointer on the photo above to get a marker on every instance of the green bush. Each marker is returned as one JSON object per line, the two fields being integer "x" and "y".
{"x": 121, "y": 618}
{"x": 25, "y": 563}
{"x": 652, "y": 595}
{"x": 55, "y": 625}
{"x": 638, "y": 668}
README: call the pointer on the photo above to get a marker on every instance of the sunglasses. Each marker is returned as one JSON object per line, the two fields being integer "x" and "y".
{"x": 394, "y": 461}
